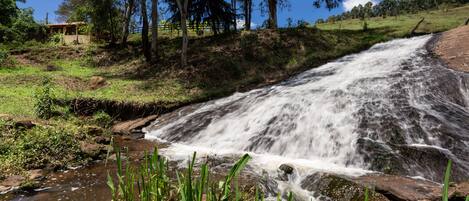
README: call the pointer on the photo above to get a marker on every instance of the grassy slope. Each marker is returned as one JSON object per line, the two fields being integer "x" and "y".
{"x": 219, "y": 65}
{"x": 435, "y": 21}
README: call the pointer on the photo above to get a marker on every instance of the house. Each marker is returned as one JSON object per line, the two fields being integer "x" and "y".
{"x": 70, "y": 31}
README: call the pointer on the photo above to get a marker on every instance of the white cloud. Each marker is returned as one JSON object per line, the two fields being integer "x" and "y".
{"x": 349, "y": 4}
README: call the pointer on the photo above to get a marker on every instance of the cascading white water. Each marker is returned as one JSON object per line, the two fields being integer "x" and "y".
{"x": 338, "y": 117}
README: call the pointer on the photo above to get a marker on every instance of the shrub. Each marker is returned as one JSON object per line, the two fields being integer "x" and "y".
{"x": 248, "y": 43}
{"x": 102, "y": 119}
{"x": 44, "y": 100}
{"x": 3, "y": 55}
{"x": 56, "y": 38}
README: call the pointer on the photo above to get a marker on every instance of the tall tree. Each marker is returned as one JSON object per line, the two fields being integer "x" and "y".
{"x": 129, "y": 8}
{"x": 234, "y": 8}
{"x": 145, "y": 42}
{"x": 247, "y": 8}
{"x": 154, "y": 30}
{"x": 272, "y": 4}
{"x": 182, "y": 5}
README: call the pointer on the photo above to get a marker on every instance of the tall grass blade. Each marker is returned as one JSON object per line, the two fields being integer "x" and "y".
{"x": 446, "y": 181}
{"x": 290, "y": 196}
{"x": 366, "y": 194}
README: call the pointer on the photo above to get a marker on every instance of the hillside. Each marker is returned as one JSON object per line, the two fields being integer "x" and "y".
{"x": 218, "y": 65}
{"x": 435, "y": 21}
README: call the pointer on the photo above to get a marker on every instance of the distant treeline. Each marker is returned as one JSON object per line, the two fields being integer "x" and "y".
{"x": 392, "y": 8}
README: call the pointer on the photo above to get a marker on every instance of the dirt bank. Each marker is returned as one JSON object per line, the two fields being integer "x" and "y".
{"x": 453, "y": 48}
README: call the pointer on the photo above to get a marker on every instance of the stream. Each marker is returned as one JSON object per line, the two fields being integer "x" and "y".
{"x": 394, "y": 108}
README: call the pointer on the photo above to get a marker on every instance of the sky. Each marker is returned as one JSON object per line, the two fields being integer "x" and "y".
{"x": 298, "y": 10}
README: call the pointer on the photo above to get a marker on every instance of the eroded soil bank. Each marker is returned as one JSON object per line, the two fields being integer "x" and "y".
{"x": 453, "y": 48}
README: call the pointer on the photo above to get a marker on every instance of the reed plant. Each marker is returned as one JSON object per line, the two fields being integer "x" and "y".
{"x": 151, "y": 182}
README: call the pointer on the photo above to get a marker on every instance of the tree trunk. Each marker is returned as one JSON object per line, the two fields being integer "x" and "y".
{"x": 145, "y": 42}
{"x": 247, "y": 14}
{"x": 272, "y": 14}
{"x": 235, "y": 23}
{"x": 128, "y": 14}
{"x": 154, "y": 30}
{"x": 183, "y": 11}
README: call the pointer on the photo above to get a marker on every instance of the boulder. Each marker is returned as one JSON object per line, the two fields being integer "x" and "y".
{"x": 133, "y": 126}
{"x": 102, "y": 140}
{"x": 338, "y": 188}
{"x": 97, "y": 82}
{"x": 402, "y": 188}
{"x": 459, "y": 191}
{"x": 284, "y": 171}
{"x": 92, "y": 150}
{"x": 11, "y": 182}
{"x": 36, "y": 175}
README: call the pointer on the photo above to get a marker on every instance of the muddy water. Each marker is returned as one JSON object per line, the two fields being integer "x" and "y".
{"x": 88, "y": 183}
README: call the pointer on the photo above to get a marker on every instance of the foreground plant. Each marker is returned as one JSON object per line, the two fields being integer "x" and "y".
{"x": 151, "y": 182}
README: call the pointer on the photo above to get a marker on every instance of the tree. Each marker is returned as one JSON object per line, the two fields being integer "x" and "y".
{"x": 182, "y": 5}
{"x": 154, "y": 30}
{"x": 247, "y": 8}
{"x": 272, "y": 4}
{"x": 145, "y": 42}
{"x": 129, "y": 8}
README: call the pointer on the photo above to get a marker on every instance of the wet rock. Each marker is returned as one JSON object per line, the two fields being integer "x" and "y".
{"x": 133, "y": 126}
{"x": 402, "y": 188}
{"x": 11, "y": 182}
{"x": 92, "y": 150}
{"x": 102, "y": 140}
{"x": 334, "y": 187}
{"x": 36, "y": 175}
{"x": 460, "y": 191}
{"x": 284, "y": 171}
{"x": 287, "y": 169}
{"x": 97, "y": 82}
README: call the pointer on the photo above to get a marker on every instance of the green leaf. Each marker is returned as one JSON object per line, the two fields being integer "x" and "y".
{"x": 446, "y": 181}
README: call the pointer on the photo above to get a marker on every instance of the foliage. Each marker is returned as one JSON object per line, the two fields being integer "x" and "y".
{"x": 52, "y": 146}
{"x": 44, "y": 103}
{"x": 153, "y": 182}
{"x": 387, "y": 8}
{"x": 102, "y": 119}
{"x": 21, "y": 28}
{"x": 3, "y": 55}
{"x": 446, "y": 181}
{"x": 56, "y": 38}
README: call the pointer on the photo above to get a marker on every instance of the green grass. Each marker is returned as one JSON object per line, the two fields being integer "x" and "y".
{"x": 219, "y": 65}
{"x": 435, "y": 21}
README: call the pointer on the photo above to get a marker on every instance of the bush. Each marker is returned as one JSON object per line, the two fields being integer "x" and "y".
{"x": 39, "y": 147}
{"x": 44, "y": 100}
{"x": 3, "y": 55}
{"x": 102, "y": 119}
{"x": 56, "y": 38}
{"x": 248, "y": 43}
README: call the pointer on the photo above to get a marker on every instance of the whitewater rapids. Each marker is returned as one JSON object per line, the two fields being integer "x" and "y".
{"x": 393, "y": 108}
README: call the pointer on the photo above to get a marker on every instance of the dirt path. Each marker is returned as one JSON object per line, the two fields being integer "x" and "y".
{"x": 453, "y": 48}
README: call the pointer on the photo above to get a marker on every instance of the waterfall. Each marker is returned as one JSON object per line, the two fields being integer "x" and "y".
{"x": 393, "y": 106}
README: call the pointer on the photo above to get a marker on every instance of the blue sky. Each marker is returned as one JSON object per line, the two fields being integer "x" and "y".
{"x": 299, "y": 10}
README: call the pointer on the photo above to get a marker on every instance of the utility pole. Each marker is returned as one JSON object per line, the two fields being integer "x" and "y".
{"x": 47, "y": 18}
